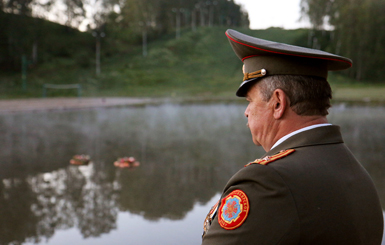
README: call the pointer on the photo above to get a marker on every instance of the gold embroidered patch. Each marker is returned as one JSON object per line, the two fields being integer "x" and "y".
{"x": 233, "y": 210}
{"x": 209, "y": 219}
{"x": 268, "y": 159}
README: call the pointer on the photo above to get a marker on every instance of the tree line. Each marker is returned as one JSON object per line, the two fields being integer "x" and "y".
{"x": 158, "y": 14}
{"x": 23, "y": 33}
{"x": 356, "y": 30}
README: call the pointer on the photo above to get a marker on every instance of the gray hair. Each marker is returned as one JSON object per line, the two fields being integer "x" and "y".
{"x": 308, "y": 95}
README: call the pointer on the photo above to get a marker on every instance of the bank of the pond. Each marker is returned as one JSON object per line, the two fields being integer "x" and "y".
{"x": 374, "y": 94}
{"x": 52, "y": 104}
{"x": 55, "y": 104}
{"x": 361, "y": 95}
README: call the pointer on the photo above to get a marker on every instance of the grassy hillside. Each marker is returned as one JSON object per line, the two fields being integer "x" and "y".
{"x": 199, "y": 63}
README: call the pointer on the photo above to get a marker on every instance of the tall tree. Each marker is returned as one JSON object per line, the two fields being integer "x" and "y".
{"x": 75, "y": 12}
{"x": 22, "y": 7}
{"x": 358, "y": 28}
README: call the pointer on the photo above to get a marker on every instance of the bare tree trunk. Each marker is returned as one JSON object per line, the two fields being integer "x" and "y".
{"x": 34, "y": 52}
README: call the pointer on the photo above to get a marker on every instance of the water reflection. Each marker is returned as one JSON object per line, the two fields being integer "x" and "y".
{"x": 187, "y": 153}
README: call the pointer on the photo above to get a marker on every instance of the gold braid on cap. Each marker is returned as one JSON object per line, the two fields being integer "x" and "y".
{"x": 254, "y": 74}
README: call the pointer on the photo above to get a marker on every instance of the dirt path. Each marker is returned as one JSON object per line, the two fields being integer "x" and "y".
{"x": 44, "y": 104}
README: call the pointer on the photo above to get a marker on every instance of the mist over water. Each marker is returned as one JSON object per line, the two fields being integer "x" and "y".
{"x": 187, "y": 153}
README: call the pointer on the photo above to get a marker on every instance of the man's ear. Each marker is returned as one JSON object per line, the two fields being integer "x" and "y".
{"x": 280, "y": 103}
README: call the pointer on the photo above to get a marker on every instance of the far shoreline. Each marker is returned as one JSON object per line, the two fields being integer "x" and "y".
{"x": 84, "y": 103}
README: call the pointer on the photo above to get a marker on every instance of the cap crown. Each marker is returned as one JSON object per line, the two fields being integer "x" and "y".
{"x": 282, "y": 59}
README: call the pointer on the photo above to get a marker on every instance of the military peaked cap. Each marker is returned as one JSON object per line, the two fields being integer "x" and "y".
{"x": 265, "y": 58}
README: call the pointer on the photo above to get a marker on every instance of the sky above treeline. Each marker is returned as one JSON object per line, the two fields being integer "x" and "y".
{"x": 273, "y": 13}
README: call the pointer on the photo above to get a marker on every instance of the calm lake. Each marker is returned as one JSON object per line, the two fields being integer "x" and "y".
{"x": 187, "y": 152}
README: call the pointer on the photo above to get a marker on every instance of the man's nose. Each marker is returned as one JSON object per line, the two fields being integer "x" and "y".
{"x": 247, "y": 112}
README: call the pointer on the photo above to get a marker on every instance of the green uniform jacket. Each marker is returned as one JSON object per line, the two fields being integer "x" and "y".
{"x": 319, "y": 194}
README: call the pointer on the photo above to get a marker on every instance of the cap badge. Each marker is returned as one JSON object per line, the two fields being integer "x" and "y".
{"x": 255, "y": 74}
{"x": 233, "y": 210}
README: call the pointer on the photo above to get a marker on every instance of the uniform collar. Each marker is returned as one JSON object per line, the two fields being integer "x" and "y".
{"x": 310, "y": 137}
{"x": 298, "y": 131}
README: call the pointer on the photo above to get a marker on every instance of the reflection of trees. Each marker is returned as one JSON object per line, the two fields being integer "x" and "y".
{"x": 52, "y": 209}
{"x": 17, "y": 221}
{"x": 184, "y": 151}
{"x": 75, "y": 196}
{"x": 69, "y": 197}
{"x": 187, "y": 153}
{"x": 98, "y": 212}
{"x": 162, "y": 194}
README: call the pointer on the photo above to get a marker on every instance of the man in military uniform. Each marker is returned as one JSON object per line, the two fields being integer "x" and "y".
{"x": 308, "y": 188}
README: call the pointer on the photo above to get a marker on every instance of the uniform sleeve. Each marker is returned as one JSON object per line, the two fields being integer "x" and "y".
{"x": 272, "y": 216}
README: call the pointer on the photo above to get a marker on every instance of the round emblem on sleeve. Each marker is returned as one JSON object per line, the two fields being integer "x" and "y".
{"x": 233, "y": 210}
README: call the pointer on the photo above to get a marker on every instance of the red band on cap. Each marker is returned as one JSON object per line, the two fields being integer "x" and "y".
{"x": 270, "y": 51}
{"x": 250, "y": 57}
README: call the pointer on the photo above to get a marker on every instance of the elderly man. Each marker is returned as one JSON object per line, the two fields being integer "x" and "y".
{"x": 308, "y": 188}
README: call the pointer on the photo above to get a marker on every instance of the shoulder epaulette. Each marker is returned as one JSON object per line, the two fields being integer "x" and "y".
{"x": 268, "y": 159}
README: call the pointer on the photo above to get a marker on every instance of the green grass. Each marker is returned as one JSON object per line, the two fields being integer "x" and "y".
{"x": 198, "y": 64}
{"x": 345, "y": 89}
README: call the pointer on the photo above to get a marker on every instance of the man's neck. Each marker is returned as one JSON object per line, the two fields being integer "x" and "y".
{"x": 281, "y": 140}
{"x": 288, "y": 126}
